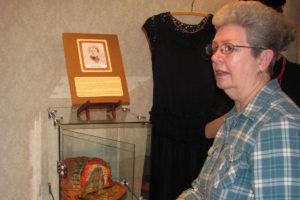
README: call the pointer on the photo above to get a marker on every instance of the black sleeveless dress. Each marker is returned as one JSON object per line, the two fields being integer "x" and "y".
{"x": 185, "y": 98}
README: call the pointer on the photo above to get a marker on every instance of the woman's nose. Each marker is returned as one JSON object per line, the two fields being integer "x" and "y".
{"x": 216, "y": 55}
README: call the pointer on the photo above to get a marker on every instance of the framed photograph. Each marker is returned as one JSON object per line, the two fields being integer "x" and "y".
{"x": 94, "y": 55}
{"x": 95, "y": 68}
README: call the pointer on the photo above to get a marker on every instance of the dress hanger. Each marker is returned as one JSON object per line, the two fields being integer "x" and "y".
{"x": 180, "y": 12}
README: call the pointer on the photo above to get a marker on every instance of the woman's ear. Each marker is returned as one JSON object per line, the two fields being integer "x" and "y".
{"x": 265, "y": 59}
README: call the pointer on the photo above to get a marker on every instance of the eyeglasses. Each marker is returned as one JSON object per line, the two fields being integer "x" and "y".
{"x": 226, "y": 48}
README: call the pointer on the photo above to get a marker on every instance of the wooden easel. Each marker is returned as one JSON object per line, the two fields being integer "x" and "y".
{"x": 110, "y": 107}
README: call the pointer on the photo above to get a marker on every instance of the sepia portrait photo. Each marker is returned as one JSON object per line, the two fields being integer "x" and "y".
{"x": 94, "y": 56}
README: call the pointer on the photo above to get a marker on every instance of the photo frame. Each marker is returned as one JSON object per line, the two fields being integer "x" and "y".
{"x": 95, "y": 69}
{"x": 94, "y": 55}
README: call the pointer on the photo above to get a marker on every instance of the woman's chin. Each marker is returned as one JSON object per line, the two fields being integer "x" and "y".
{"x": 222, "y": 85}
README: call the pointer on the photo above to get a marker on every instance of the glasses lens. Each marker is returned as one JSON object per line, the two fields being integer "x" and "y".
{"x": 227, "y": 48}
{"x": 209, "y": 50}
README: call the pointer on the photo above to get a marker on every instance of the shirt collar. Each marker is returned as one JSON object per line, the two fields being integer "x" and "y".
{"x": 258, "y": 102}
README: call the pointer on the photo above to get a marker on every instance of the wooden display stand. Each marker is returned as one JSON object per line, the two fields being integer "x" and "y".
{"x": 110, "y": 107}
{"x": 95, "y": 71}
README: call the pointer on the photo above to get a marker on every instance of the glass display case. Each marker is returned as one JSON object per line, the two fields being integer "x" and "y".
{"x": 103, "y": 156}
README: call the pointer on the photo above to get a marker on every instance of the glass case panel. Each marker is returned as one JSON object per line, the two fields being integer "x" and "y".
{"x": 78, "y": 150}
{"x": 121, "y": 142}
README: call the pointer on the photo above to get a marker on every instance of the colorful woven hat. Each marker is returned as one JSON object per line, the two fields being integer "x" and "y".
{"x": 89, "y": 178}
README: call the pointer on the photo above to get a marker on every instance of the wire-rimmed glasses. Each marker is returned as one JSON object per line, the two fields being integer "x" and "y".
{"x": 226, "y": 48}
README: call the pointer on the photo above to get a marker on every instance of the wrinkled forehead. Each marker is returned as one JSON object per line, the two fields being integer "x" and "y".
{"x": 230, "y": 33}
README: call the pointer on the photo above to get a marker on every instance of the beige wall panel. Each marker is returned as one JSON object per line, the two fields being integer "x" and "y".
{"x": 291, "y": 9}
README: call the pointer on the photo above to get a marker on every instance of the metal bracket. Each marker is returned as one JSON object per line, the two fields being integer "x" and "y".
{"x": 62, "y": 169}
{"x": 51, "y": 115}
{"x": 139, "y": 117}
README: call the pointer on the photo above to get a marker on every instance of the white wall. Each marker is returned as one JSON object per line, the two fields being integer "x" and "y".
{"x": 33, "y": 73}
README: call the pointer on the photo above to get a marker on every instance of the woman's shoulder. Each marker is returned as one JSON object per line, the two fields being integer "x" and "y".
{"x": 282, "y": 108}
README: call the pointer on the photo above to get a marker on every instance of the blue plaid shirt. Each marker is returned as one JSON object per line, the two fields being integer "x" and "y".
{"x": 256, "y": 153}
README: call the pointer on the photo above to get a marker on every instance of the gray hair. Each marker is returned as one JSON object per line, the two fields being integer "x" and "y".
{"x": 264, "y": 26}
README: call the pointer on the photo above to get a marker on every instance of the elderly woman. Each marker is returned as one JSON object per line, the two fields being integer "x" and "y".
{"x": 256, "y": 152}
